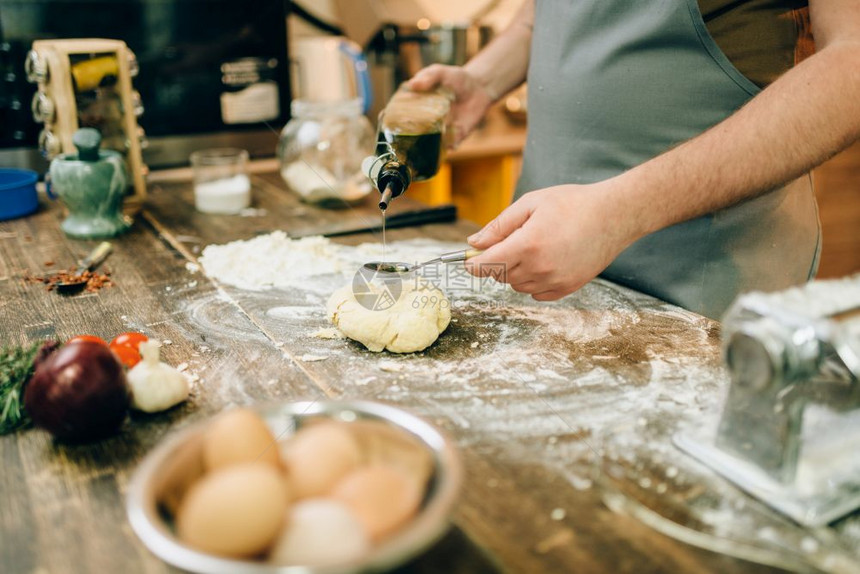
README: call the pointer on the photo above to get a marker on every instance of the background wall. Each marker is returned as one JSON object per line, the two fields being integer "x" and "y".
{"x": 438, "y": 11}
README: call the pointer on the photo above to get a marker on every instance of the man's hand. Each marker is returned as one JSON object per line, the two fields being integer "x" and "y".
{"x": 554, "y": 240}
{"x": 471, "y": 99}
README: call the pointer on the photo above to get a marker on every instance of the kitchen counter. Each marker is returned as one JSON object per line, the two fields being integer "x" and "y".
{"x": 526, "y": 389}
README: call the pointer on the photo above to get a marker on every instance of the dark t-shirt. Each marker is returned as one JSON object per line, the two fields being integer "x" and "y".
{"x": 762, "y": 38}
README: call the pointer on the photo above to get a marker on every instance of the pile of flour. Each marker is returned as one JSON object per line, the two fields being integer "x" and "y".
{"x": 315, "y": 264}
{"x": 271, "y": 261}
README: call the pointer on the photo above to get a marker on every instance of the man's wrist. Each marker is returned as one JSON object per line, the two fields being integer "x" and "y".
{"x": 483, "y": 80}
{"x": 635, "y": 209}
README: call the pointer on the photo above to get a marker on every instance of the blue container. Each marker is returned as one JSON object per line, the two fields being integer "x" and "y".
{"x": 17, "y": 192}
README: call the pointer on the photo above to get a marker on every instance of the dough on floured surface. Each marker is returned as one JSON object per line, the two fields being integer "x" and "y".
{"x": 420, "y": 314}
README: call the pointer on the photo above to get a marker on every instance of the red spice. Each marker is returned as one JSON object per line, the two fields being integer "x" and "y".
{"x": 95, "y": 281}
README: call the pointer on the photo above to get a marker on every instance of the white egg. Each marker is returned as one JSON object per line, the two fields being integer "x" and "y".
{"x": 320, "y": 532}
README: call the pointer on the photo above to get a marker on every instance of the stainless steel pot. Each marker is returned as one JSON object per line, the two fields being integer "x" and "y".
{"x": 398, "y": 52}
{"x": 452, "y": 44}
{"x": 449, "y": 44}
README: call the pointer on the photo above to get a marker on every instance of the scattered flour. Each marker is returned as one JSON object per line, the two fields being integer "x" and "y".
{"x": 818, "y": 298}
{"x": 328, "y": 333}
{"x": 293, "y": 312}
{"x": 390, "y": 366}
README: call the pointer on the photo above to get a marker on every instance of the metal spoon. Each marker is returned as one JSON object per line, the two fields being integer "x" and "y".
{"x": 400, "y": 267}
{"x": 91, "y": 261}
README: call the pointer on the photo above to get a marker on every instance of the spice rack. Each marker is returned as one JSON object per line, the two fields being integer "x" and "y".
{"x": 87, "y": 83}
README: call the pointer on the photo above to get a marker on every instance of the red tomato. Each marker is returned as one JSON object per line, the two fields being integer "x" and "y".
{"x": 129, "y": 339}
{"x": 128, "y": 356}
{"x": 90, "y": 338}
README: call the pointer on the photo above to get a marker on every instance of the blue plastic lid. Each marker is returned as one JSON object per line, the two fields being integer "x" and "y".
{"x": 17, "y": 192}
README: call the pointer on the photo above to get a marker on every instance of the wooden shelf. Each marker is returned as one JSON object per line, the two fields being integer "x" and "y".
{"x": 837, "y": 186}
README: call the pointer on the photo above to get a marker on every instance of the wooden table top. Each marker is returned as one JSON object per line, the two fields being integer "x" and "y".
{"x": 524, "y": 388}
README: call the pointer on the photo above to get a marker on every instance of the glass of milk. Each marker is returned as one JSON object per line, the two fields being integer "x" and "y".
{"x": 221, "y": 183}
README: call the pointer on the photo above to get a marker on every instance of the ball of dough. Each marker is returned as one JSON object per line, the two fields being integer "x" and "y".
{"x": 412, "y": 323}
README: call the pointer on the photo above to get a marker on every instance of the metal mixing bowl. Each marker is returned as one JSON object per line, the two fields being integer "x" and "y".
{"x": 178, "y": 458}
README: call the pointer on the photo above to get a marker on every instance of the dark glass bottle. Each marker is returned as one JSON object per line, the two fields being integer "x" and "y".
{"x": 422, "y": 153}
{"x": 410, "y": 141}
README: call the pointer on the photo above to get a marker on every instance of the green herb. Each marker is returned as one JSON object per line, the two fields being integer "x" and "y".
{"x": 16, "y": 368}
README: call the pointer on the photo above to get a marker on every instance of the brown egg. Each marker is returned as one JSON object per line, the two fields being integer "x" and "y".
{"x": 236, "y": 511}
{"x": 383, "y": 498}
{"x": 318, "y": 456}
{"x": 238, "y": 436}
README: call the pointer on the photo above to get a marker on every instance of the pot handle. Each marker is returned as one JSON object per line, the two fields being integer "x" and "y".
{"x": 362, "y": 75}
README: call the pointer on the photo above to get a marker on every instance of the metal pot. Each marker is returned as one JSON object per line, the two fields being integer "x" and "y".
{"x": 450, "y": 44}
{"x": 396, "y": 53}
{"x": 453, "y": 44}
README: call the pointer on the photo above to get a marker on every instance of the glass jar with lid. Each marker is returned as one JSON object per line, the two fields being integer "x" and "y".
{"x": 321, "y": 150}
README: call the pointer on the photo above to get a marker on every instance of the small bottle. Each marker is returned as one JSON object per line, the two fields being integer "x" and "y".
{"x": 411, "y": 134}
{"x": 93, "y": 73}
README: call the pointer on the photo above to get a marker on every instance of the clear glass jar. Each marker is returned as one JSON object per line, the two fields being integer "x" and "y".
{"x": 321, "y": 150}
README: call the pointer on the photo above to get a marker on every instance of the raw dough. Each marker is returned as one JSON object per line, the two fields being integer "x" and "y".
{"x": 420, "y": 314}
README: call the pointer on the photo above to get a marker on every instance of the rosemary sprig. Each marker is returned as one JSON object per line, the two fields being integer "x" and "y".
{"x": 16, "y": 368}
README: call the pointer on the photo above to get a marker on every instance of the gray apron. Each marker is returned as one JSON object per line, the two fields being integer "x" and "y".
{"x": 613, "y": 83}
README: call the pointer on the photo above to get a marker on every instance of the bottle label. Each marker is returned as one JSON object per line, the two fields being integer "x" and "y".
{"x": 251, "y": 94}
{"x": 254, "y": 104}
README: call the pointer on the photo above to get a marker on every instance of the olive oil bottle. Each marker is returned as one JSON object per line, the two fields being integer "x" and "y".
{"x": 410, "y": 141}
{"x": 422, "y": 153}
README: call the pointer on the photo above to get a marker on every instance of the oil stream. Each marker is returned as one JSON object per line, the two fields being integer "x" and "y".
{"x": 383, "y": 236}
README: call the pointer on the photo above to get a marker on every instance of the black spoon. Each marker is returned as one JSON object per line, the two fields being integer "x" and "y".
{"x": 90, "y": 262}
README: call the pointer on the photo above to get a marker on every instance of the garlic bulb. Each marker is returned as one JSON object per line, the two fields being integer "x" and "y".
{"x": 155, "y": 386}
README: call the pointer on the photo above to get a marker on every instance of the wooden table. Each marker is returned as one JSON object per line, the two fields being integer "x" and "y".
{"x": 527, "y": 428}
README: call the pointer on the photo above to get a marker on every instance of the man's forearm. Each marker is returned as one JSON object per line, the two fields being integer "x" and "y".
{"x": 809, "y": 114}
{"x": 503, "y": 64}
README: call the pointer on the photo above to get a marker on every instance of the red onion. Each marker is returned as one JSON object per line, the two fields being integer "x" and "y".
{"x": 79, "y": 392}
